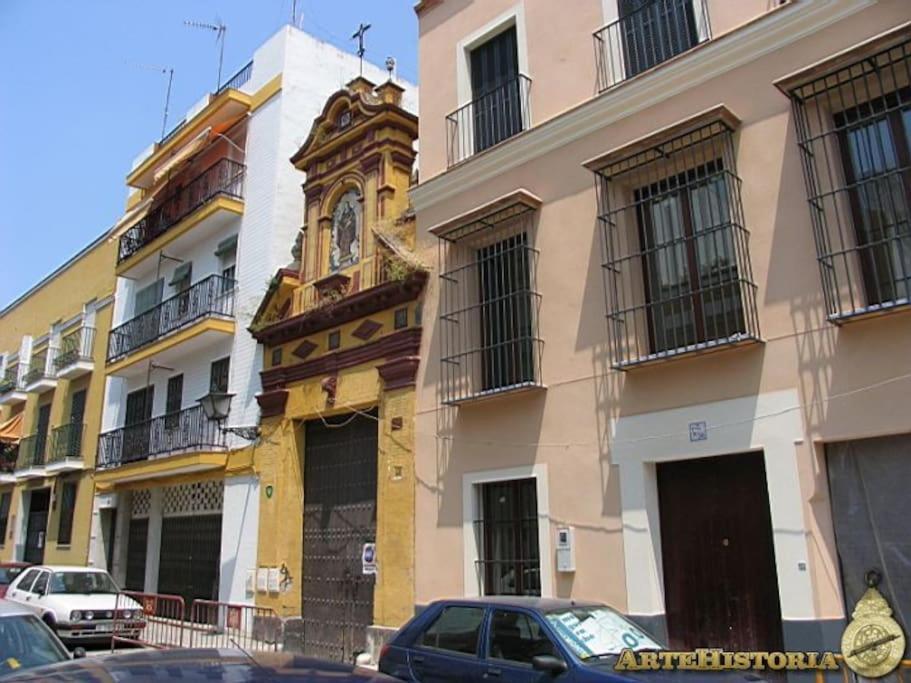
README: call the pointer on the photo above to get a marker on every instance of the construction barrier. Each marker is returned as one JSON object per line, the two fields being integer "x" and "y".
{"x": 224, "y": 625}
{"x": 162, "y": 624}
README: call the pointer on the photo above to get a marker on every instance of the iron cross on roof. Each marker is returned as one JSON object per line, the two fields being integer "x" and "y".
{"x": 360, "y": 34}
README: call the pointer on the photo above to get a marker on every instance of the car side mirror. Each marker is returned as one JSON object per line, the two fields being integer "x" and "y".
{"x": 549, "y": 664}
{"x": 79, "y": 653}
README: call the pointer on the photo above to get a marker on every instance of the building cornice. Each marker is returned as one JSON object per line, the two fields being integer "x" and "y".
{"x": 768, "y": 33}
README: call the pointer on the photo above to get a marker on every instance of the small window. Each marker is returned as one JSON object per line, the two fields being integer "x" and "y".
{"x": 27, "y": 580}
{"x": 401, "y": 318}
{"x": 335, "y": 340}
{"x": 218, "y": 377}
{"x": 67, "y": 508}
{"x": 40, "y": 586}
{"x": 518, "y": 637}
{"x": 456, "y": 630}
{"x": 276, "y": 356}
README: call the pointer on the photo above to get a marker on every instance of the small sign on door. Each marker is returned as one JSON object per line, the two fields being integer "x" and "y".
{"x": 368, "y": 559}
{"x": 699, "y": 431}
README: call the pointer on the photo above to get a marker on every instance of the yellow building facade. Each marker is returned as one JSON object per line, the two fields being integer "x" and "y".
{"x": 341, "y": 331}
{"x": 52, "y": 349}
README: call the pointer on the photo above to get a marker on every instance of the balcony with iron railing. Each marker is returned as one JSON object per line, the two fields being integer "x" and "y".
{"x": 185, "y": 431}
{"x": 11, "y": 387}
{"x": 490, "y": 118}
{"x": 224, "y": 178}
{"x": 41, "y": 375}
{"x": 32, "y": 453}
{"x": 648, "y": 36}
{"x": 210, "y": 298}
{"x": 74, "y": 358}
{"x": 66, "y": 448}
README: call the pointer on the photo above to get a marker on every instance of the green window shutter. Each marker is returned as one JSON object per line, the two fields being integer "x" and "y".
{"x": 226, "y": 246}
{"x": 149, "y": 297}
{"x": 182, "y": 274}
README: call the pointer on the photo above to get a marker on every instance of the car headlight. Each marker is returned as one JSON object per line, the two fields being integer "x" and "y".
{"x": 129, "y": 614}
{"x": 89, "y": 616}
{"x": 76, "y": 615}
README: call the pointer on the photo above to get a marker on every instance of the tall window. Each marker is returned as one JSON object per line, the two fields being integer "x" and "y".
{"x": 496, "y": 90}
{"x": 44, "y": 422}
{"x": 173, "y": 401}
{"x": 5, "y": 500}
{"x": 853, "y": 121}
{"x": 877, "y": 159}
{"x": 67, "y": 509}
{"x": 506, "y": 322}
{"x": 676, "y": 252}
{"x": 137, "y": 428}
{"x": 653, "y": 31}
{"x": 218, "y": 375}
{"x": 508, "y": 530}
{"x": 691, "y": 268}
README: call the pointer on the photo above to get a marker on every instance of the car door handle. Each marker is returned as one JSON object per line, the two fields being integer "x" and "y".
{"x": 418, "y": 659}
{"x": 493, "y": 672}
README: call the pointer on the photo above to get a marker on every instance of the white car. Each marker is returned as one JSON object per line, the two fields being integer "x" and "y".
{"x": 78, "y": 603}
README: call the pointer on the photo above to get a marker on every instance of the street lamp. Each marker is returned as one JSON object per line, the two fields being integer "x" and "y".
{"x": 217, "y": 405}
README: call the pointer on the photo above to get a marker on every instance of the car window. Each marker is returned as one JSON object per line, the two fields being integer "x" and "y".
{"x": 517, "y": 637}
{"x": 25, "y": 583}
{"x": 40, "y": 585}
{"x": 26, "y": 642}
{"x": 84, "y": 583}
{"x": 8, "y": 574}
{"x": 456, "y": 630}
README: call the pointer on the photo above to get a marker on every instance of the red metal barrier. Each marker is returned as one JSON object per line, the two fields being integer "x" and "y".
{"x": 225, "y": 625}
{"x": 162, "y": 624}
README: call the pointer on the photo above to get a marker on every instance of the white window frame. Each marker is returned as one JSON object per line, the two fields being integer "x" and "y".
{"x": 512, "y": 17}
{"x": 471, "y": 507}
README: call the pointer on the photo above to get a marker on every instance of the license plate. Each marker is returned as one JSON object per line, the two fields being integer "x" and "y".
{"x": 104, "y": 628}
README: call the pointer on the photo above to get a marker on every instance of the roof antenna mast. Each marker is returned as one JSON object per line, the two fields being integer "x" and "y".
{"x": 219, "y": 29}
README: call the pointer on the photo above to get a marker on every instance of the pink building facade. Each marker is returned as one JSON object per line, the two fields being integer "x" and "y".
{"x": 666, "y": 360}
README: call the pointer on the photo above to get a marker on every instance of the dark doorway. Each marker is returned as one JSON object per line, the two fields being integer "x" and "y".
{"x": 720, "y": 585}
{"x": 190, "y": 560}
{"x": 36, "y": 529}
{"x": 339, "y": 518}
{"x": 496, "y": 90}
{"x": 137, "y": 549}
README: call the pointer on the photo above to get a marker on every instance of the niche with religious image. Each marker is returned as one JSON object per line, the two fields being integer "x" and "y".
{"x": 346, "y": 231}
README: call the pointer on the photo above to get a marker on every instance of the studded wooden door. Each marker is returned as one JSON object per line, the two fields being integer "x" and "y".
{"x": 340, "y": 477}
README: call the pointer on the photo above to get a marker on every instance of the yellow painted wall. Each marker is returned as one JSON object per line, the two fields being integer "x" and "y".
{"x": 89, "y": 277}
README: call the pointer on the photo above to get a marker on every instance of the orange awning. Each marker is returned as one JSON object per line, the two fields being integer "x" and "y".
{"x": 11, "y": 430}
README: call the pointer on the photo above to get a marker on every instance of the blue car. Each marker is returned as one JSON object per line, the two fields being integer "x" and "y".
{"x": 523, "y": 640}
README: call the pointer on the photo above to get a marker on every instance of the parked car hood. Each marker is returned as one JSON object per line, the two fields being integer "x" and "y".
{"x": 202, "y": 665}
{"x": 83, "y": 601}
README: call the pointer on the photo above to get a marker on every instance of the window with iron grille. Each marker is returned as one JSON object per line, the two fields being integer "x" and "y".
{"x": 507, "y": 529}
{"x": 5, "y": 499}
{"x": 675, "y": 250}
{"x": 489, "y": 306}
{"x": 218, "y": 376}
{"x": 854, "y": 134}
{"x": 67, "y": 509}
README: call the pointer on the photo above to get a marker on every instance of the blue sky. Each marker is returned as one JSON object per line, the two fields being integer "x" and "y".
{"x": 79, "y": 100}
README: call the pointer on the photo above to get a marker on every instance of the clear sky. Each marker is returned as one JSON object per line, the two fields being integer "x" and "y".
{"x": 79, "y": 100}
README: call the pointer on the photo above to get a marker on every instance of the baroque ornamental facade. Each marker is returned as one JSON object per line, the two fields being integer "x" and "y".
{"x": 341, "y": 330}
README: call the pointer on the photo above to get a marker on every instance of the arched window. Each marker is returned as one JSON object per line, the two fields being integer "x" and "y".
{"x": 346, "y": 231}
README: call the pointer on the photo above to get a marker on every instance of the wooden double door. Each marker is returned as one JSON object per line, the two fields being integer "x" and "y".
{"x": 720, "y": 581}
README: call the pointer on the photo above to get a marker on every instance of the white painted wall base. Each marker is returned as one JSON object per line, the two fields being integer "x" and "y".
{"x": 239, "y": 538}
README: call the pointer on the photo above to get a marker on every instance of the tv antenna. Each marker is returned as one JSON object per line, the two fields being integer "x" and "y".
{"x": 360, "y": 34}
{"x": 165, "y": 71}
{"x": 219, "y": 29}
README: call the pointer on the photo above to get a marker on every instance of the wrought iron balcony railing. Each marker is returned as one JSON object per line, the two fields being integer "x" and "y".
{"x": 39, "y": 368}
{"x": 490, "y": 118}
{"x": 66, "y": 442}
{"x": 224, "y": 177}
{"x": 242, "y": 76}
{"x": 213, "y": 296}
{"x": 74, "y": 347}
{"x": 186, "y": 430}
{"x": 652, "y": 33}
{"x": 32, "y": 452}
{"x": 10, "y": 380}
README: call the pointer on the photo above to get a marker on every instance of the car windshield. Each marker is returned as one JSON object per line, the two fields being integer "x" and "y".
{"x": 7, "y": 574}
{"x": 598, "y": 632}
{"x": 25, "y": 642}
{"x": 82, "y": 582}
